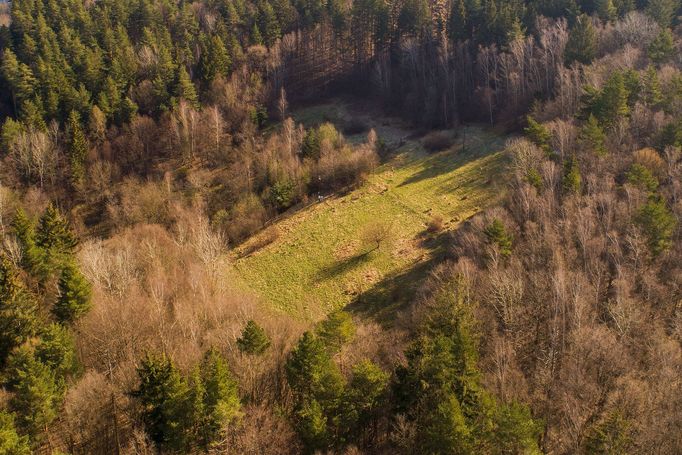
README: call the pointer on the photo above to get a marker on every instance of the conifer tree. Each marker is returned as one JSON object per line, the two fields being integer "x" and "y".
{"x": 572, "y": 179}
{"x": 662, "y": 48}
{"x": 592, "y": 136}
{"x": 662, "y": 11}
{"x": 253, "y": 340}
{"x": 36, "y": 394}
{"x": 221, "y": 399}
{"x": 78, "y": 149}
{"x": 497, "y": 234}
{"x": 11, "y": 443}
{"x": 184, "y": 88}
{"x": 652, "y": 88}
{"x": 74, "y": 295}
{"x": 57, "y": 350}
{"x": 336, "y": 330}
{"x": 164, "y": 396}
{"x": 538, "y": 134}
{"x": 657, "y": 223}
{"x": 18, "y": 310}
{"x": 640, "y": 176}
{"x": 582, "y": 42}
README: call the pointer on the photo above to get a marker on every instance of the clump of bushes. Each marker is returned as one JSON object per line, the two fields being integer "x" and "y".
{"x": 437, "y": 141}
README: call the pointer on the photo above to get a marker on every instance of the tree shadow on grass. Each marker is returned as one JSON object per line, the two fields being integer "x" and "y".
{"x": 395, "y": 292}
{"x": 343, "y": 266}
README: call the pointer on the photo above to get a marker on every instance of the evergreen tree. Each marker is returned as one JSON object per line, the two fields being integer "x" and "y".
{"x": 11, "y": 443}
{"x": 23, "y": 230}
{"x": 363, "y": 397}
{"x": 164, "y": 396}
{"x": 652, "y": 88}
{"x": 572, "y": 179}
{"x": 657, "y": 223}
{"x": 253, "y": 340}
{"x": 538, "y": 134}
{"x": 611, "y": 436}
{"x": 78, "y": 149}
{"x": 497, "y": 234}
{"x": 592, "y": 136}
{"x": 269, "y": 24}
{"x": 311, "y": 426}
{"x": 336, "y": 330}
{"x": 18, "y": 310}
{"x": 662, "y": 48}
{"x": 582, "y": 42}
{"x": 606, "y": 10}
{"x": 184, "y": 88}
{"x": 642, "y": 177}
{"x": 74, "y": 295}
{"x": 221, "y": 399}
{"x": 57, "y": 350}
{"x": 662, "y": 11}
{"x": 54, "y": 233}
{"x": 36, "y": 393}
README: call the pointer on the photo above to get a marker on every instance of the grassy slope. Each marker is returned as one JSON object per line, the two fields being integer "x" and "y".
{"x": 318, "y": 262}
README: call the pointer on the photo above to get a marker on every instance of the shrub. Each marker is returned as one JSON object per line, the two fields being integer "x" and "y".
{"x": 355, "y": 126}
{"x": 437, "y": 141}
{"x": 435, "y": 224}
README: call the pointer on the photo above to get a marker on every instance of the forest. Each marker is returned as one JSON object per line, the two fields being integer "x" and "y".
{"x": 146, "y": 145}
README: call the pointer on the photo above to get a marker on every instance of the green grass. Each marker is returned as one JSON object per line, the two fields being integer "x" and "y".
{"x": 319, "y": 263}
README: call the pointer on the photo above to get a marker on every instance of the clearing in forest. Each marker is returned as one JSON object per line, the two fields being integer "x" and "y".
{"x": 321, "y": 259}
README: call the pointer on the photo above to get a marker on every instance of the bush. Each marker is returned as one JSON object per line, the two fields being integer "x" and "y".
{"x": 355, "y": 126}
{"x": 435, "y": 224}
{"x": 437, "y": 141}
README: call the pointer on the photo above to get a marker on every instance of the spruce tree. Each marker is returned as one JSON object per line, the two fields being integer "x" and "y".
{"x": 57, "y": 350}
{"x": 18, "y": 310}
{"x": 78, "y": 149}
{"x": 11, "y": 443}
{"x": 641, "y": 177}
{"x": 221, "y": 399}
{"x": 592, "y": 136}
{"x": 662, "y": 48}
{"x": 36, "y": 394}
{"x": 164, "y": 396}
{"x": 582, "y": 42}
{"x": 572, "y": 179}
{"x": 497, "y": 235}
{"x": 658, "y": 223}
{"x": 74, "y": 295}
{"x": 538, "y": 134}
{"x": 336, "y": 330}
{"x": 253, "y": 340}
{"x": 662, "y": 11}
{"x": 184, "y": 88}
{"x": 652, "y": 88}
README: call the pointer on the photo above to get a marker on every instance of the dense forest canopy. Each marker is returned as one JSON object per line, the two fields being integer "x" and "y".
{"x": 141, "y": 138}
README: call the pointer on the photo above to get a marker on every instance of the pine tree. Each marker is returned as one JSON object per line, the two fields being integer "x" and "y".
{"x": 57, "y": 350}
{"x": 269, "y": 24}
{"x": 221, "y": 399}
{"x": 538, "y": 134}
{"x": 78, "y": 149}
{"x": 641, "y": 177}
{"x": 74, "y": 295}
{"x": 311, "y": 372}
{"x": 497, "y": 234}
{"x": 164, "y": 396}
{"x": 606, "y": 10}
{"x": 184, "y": 88}
{"x": 18, "y": 310}
{"x": 652, "y": 88}
{"x": 54, "y": 233}
{"x": 11, "y": 443}
{"x": 662, "y": 48}
{"x": 23, "y": 230}
{"x": 610, "y": 436}
{"x": 36, "y": 394}
{"x": 253, "y": 340}
{"x": 592, "y": 136}
{"x": 582, "y": 42}
{"x": 662, "y": 11}
{"x": 657, "y": 223}
{"x": 336, "y": 330}
{"x": 572, "y": 179}
{"x": 363, "y": 397}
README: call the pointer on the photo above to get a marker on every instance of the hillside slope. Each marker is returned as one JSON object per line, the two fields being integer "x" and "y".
{"x": 319, "y": 260}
